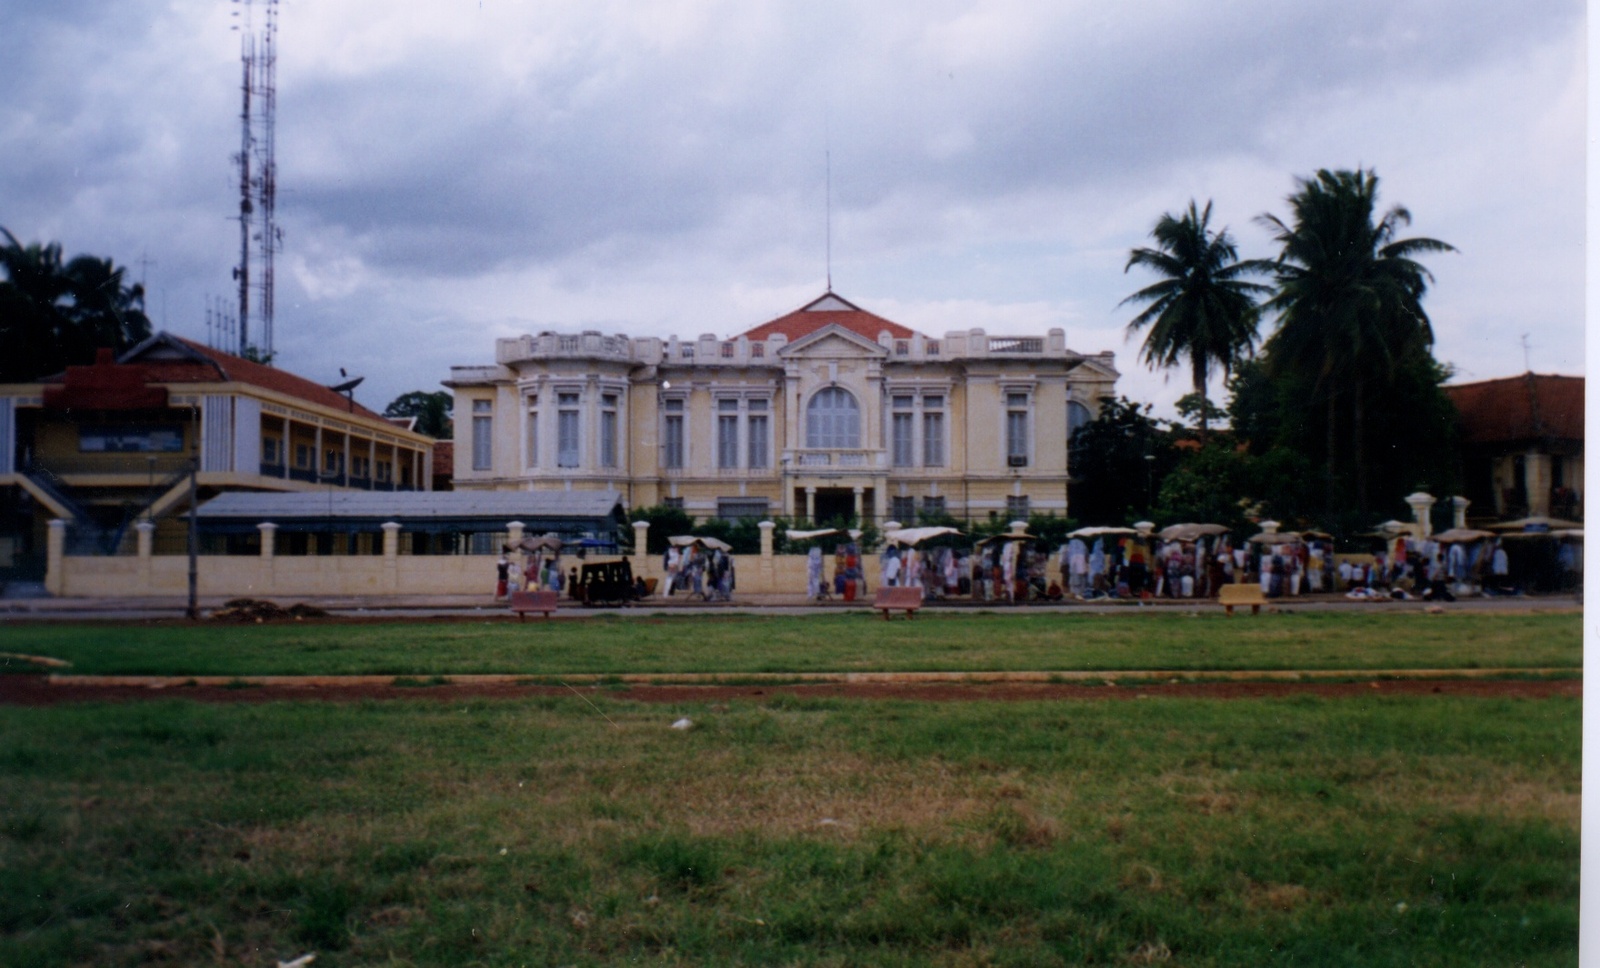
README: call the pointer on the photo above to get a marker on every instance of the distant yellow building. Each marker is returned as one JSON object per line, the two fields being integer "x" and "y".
{"x": 829, "y": 412}
{"x": 109, "y": 445}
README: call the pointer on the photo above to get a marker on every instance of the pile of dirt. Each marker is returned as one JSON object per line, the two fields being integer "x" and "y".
{"x": 259, "y": 610}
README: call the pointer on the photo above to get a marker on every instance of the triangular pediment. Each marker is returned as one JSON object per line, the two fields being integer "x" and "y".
{"x": 830, "y": 303}
{"x": 833, "y": 342}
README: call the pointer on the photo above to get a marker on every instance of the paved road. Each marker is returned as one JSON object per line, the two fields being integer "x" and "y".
{"x": 473, "y": 607}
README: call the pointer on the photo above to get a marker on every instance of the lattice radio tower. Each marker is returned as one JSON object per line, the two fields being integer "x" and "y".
{"x": 259, "y": 235}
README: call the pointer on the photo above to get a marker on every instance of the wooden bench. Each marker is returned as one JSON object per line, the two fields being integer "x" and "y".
{"x": 1248, "y": 594}
{"x": 895, "y": 599}
{"x": 524, "y": 602}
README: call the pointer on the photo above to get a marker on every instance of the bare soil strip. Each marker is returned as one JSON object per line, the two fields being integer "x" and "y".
{"x": 37, "y": 690}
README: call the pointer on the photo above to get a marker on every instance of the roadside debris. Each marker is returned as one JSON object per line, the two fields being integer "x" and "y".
{"x": 685, "y": 723}
{"x": 259, "y": 610}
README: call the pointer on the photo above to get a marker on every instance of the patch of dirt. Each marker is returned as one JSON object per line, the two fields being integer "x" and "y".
{"x": 37, "y": 690}
{"x": 259, "y": 610}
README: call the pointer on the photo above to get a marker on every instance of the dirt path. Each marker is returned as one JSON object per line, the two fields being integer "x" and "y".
{"x": 32, "y": 690}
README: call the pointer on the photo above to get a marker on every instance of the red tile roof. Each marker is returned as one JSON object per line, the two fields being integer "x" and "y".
{"x": 1520, "y": 408}
{"x": 202, "y": 364}
{"x": 826, "y": 309}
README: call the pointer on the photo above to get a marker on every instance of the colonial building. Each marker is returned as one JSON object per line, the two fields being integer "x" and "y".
{"x": 1522, "y": 445}
{"x": 826, "y": 413}
{"x": 110, "y": 444}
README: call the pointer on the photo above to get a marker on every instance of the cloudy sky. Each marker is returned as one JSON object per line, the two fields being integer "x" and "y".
{"x": 458, "y": 170}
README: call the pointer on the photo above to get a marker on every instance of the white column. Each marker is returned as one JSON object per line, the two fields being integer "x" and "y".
{"x": 1460, "y": 504}
{"x": 269, "y": 538}
{"x": 146, "y": 537}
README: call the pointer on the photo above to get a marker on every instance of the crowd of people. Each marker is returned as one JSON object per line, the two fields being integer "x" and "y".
{"x": 1129, "y": 565}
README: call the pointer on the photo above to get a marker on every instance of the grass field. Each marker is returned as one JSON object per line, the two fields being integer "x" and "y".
{"x": 639, "y": 643}
{"x": 1367, "y": 832}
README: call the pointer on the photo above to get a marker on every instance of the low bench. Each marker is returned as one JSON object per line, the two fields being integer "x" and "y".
{"x": 524, "y": 602}
{"x": 1248, "y": 594}
{"x": 895, "y": 599}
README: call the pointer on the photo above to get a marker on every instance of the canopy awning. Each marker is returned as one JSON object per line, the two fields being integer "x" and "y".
{"x": 686, "y": 540}
{"x": 913, "y": 536}
{"x": 1189, "y": 532}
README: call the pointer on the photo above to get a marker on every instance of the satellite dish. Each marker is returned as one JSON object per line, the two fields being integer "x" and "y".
{"x": 348, "y": 388}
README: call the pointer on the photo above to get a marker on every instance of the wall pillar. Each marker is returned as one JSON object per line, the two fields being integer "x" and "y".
{"x": 269, "y": 553}
{"x": 859, "y": 491}
{"x": 640, "y": 560}
{"x": 811, "y": 504}
{"x": 764, "y": 566}
{"x": 146, "y": 531}
{"x": 514, "y": 531}
{"x": 55, "y": 575}
{"x": 1460, "y": 504}
{"x": 391, "y": 555}
{"x": 1421, "y": 504}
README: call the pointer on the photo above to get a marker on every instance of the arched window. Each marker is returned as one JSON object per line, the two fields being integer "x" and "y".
{"x": 1077, "y": 416}
{"x": 833, "y": 420}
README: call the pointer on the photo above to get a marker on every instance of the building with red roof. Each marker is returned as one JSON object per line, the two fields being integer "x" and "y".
{"x": 111, "y": 443}
{"x": 1522, "y": 445}
{"x": 827, "y": 413}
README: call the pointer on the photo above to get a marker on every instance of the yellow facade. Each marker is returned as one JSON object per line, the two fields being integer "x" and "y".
{"x": 821, "y": 422}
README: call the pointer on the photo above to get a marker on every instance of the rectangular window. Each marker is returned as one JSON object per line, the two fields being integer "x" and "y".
{"x": 302, "y": 456}
{"x": 608, "y": 430}
{"x": 734, "y": 508}
{"x": 901, "y": 424}
{"x": 727, "y": 433}
{"x": 933, "y": 506}
{"x": 757, "y": 449}
{"x": 1017, "y": 429}
{"x": 672, "y": 502}
{"x": 385, "y": 470}
{"x": 482, "y": 435}
{"x": 567, "y": 430}
{"x": 331, "y": 460}
{"x": 672, "y": 435}
{"x": 932, "y": 438}
{"x": 1017, "y": 507}
{"x": 269, "y": 451}
{"x": 903, "y": 509}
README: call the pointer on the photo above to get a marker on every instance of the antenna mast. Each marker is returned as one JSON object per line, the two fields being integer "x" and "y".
{"x": 259, "y": 235}
{"x": 827, "y": 156}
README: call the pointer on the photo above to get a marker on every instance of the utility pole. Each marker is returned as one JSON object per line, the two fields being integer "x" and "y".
{"x": 194, "y": 544}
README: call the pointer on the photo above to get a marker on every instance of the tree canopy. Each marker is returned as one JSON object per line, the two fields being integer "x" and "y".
{"x": 433, "y": 411}
{"x": 1203, "y": 308}
{"x": 1353, "y": 337}
{"x": 55, "y": 314}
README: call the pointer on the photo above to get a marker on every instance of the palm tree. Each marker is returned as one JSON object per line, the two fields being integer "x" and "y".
{"x": 1202, "y": 308}
{"x": 1348, "y": 301}
{"x": 54, "y": 314}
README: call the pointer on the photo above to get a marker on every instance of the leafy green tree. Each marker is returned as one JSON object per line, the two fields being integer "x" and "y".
{"x": 55, "y": 314}
{"x": 1203, "y": 308}
{"x": 1119, "y": 460}
{"x": 665, "y": 522}
{"x": 1351, "y": 326}
{"x": 433, "y": 411}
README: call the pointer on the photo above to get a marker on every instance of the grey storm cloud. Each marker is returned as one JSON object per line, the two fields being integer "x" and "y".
{"x": 449, "y": 172}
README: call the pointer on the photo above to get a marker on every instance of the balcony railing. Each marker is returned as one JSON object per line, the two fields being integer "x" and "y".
{"x": 838, "y": 458}
{"x": 120, "y": 464}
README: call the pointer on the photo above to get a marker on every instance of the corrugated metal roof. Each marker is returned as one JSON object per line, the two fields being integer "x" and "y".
{"x": 401, "y": 506}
